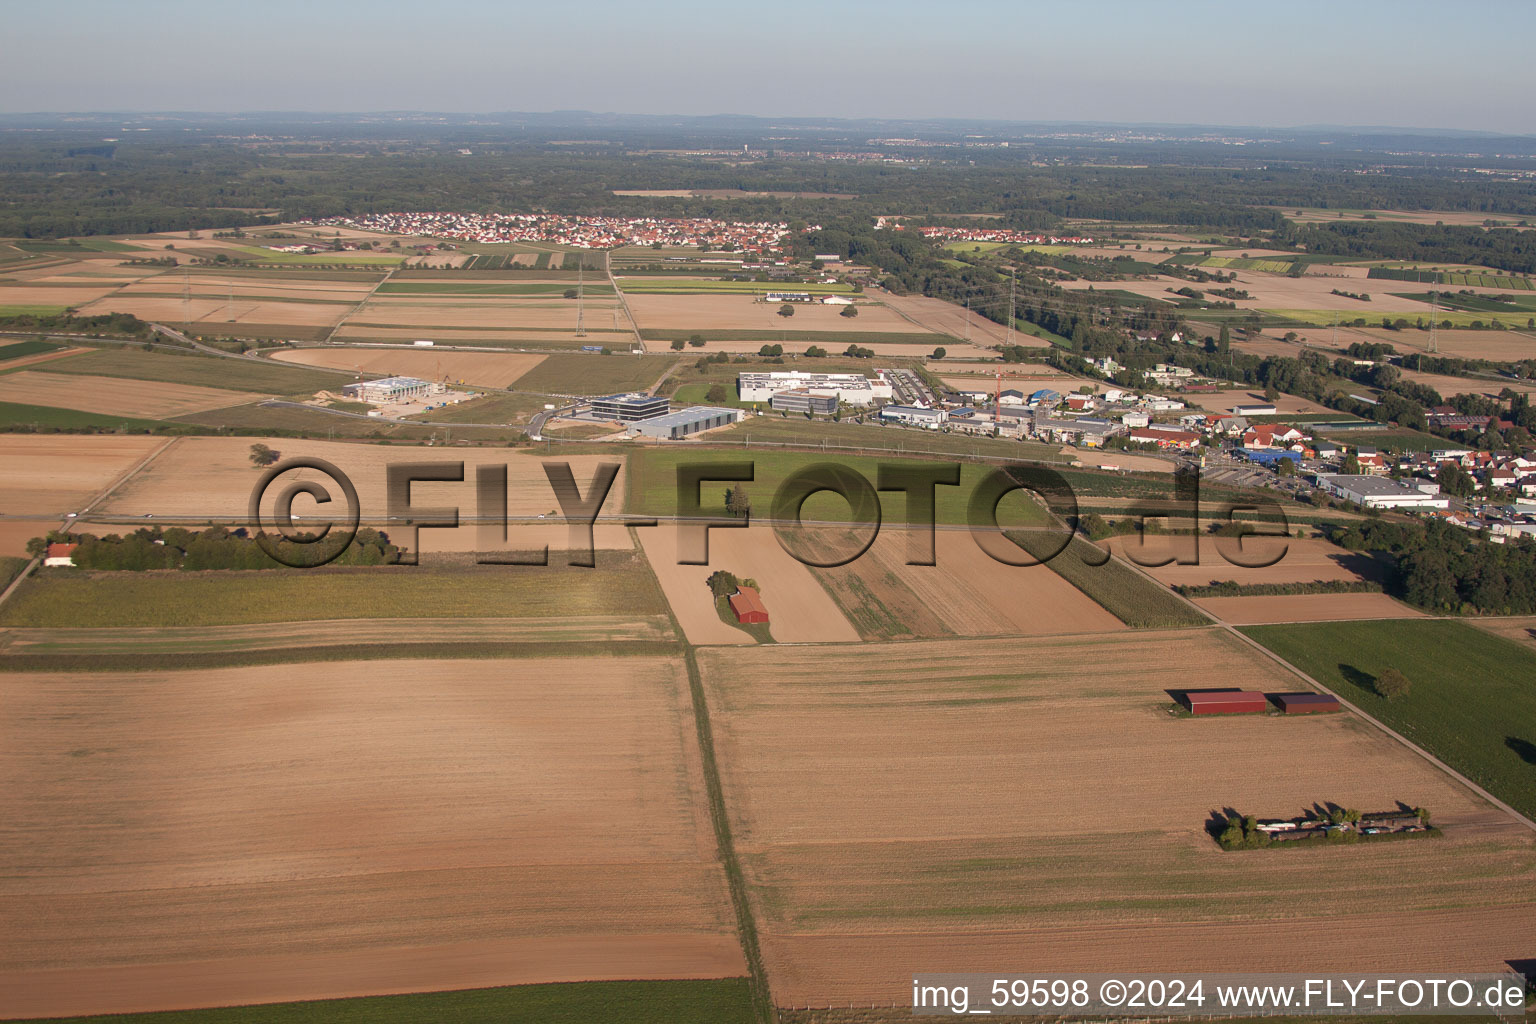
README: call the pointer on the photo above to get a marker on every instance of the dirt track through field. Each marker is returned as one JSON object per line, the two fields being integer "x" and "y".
{"x": 309, "y": 831}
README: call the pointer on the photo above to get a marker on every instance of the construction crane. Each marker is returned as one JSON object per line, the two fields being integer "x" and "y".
{"x": 997, "y": 402}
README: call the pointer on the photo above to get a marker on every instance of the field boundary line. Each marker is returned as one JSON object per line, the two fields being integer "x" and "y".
{"x": 1368, "y": 719}
{"x": 358, "y": 308}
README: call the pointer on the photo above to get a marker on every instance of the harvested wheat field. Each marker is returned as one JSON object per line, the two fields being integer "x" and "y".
{"x": 722, "y": 312}
{"x": 1500, "y": 346}
{"x": 1515, "y": 627}
{"x": 952, "y": 349}
{"x": 1303, "y": 561}
{"x": 1033, "y": 801}
{"x": 212, "y": 311}
{"x": 526, "y": 537}
{"x": 211, "y": 477}
{"x": 488, "y": 369}
{"x": 1491, "y": 387}
{"x": 461, "y": 311}
{"x": 41, "y": 357}
{"x": 949, "y": 319}
{"x": 51, "y": 475}
{"x": 115, "y": 396}
{"x": 1227, "y": 398}
{"x": 511, "y": 337}
{"x": 265, "y": 834}
{"x": 1252, "y": 611}
{"x": 14, "y": 533}
{"x": 965, "y": 593}
{"x": 799, "y": 610}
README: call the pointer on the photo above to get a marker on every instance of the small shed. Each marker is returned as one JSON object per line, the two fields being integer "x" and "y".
{"x": 60, "y": 555}
{"x": 1306, "y": 703}
{"x": 747, "y": 606}
{"x": 1224, "y": 702}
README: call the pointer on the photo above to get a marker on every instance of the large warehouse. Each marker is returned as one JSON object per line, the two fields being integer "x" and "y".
{"x": 677, "y": 425}
{"x": 631, "y": 407}
{"x": 851, "y": 388}
{"x": 387, "y": 390}
{"x": 1379, "y": 492}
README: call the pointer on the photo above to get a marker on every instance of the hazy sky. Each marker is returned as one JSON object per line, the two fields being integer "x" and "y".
{"x": 1352, "y": 62}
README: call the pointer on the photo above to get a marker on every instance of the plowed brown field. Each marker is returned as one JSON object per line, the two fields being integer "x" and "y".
{"x": 488, "y": 369}
{"x": 52, "y": 475}
{"x": 266, "y": 834}
{"x": 1033, "y": 801}
{"x": 1303, "y": 561}
{"x": 1247, "y": 611}
{"x": 115, "y": 396}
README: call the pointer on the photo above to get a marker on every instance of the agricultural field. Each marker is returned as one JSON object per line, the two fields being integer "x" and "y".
{"x": 571, "y": 373}
{"x": 1472, "y": 703}
{"x": 965, "y": 593}
{"x": 114, "y": 396}
{"x": 1226, "y": 399}
{"x": 49, "y": 475}
{"x": 222, "y": 889}
{"x": 1303, "y": 561}
{"x": 210, "y": 478}
{"x": 839, "y": 767}
{"x": 1248, "y": 611}
{"x": 799, "y": 610}
{"x": 487, "y": 369}
{"x": 678, "y": 285}
{"x": 447, "y": 588}
{"x": 710, "y": 314}
{"x": 201, "y": 370}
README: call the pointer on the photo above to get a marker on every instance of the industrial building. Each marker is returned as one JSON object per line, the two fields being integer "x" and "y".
{"x": 1379, "y": 492}
{"x": 1306, "y": 703}
{"x": 389, "y": 390}
{"x": 631, "y": 407}
{"x": 1223, "y": 702}
{"x": 803, "y": 400}
{"x": 913, "y": 414}
{"x": 1258, "y": 409}
{"x": 850, "y": 388}
{"x": 748, "y": 606}
{"x": 680, "y": 424}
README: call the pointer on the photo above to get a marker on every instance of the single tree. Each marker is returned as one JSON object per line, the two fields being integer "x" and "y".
{"x": 570, "y": 293}
{"x": 939, "y": 353}
{"x": 716, "y": 393}
{"x": 677, "y": 344}
{"x": 850, "y": 312}
{"x": 737, "y": 503}
{"x": 1392, "y": 684}
{"x": 722, "y": 583}
{"x": 261, "y": 455}
{"x": 786, "y": 310}
{"x": 696, "y": 340}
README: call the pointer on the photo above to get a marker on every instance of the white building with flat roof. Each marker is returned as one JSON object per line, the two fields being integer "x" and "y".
{"x": 849, "y": 388}
{"x": 1379, "y": 492}
{"x": 389, "y": 390}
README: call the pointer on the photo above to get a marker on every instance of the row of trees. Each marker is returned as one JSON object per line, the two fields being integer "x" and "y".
{"x": 1446, "y": 568}
{"x": 195, "y": 550}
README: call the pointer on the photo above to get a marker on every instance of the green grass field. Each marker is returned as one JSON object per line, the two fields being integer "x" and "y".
{"x": 6, "y": 311}
{"x": 716, "y": 1001}
{"x": 651, "y": 487}
{"x": 21, "y": 349}
{"x": 11, "y": 566}
{"x": 14, "y": 414}
{"x": 491, "y": 408}
{"x": 621, "y": 585}
{"x": 1400, "y": 440}
{"x": 589, "y": 373}
{"x": 259, "y": 376}
{"x": 1126, "y": 594}
{"x": 1473, "y": 702}
{"x": 75, "y": 246}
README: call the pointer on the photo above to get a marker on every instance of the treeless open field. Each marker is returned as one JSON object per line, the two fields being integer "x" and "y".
{"x": 965, "y": 593}
{"x": 1515, "y": 627}
{"x": 1225, "y": 399}
{"x": 533, "y": 338}
{"x": 544, "y": 312}
{"x": 14, "y": 533}
{"x": 704, "y": 313}
{"x": 1501, "y": 346}
{"x": 41, "y": 357}
{"x": 799, "y": 610}
{"x": 115, "y": 396}
{"x": 1118, "y": 460}
{"x": 947, "y": 318}
{"x": 1448, "y": 386}
{"x": 1279, "y": 291}
{"x": 1248, "y": 611}
{"x": 488, "y": 369}
{"x": 952, "y": 350}
{"x": 1033, "y": 801}
{"x": 212, "y": 477}
{"x": 213, "y": 310}
{"x": 267, "y": 834}
{"x": 52, "y": 474}
{"x": 1304, "y": 560}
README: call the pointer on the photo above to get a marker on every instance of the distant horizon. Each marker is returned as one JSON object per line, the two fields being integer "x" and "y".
{"x": 1191, "y": 62}
{"x": 212, "y": 114}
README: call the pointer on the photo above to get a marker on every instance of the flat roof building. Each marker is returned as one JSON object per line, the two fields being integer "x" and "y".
{"x": 850, "y": 388}
{"x": 1379, "y": 492}
{"x": 631, "y": 407}
{"x": 675, "y": 426}
{"x": 914, "y": 414}
{"x": 387, "y": 390}
{"x": 803, "y": 400}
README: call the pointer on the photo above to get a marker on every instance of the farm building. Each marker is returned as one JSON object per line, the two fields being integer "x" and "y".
{"x": 1306, "y": 703}
{"x": 628, "y": 408}
{"x": 1223, "y": 702}
{"x": 60, "y": 555}
{"x": 388, "y": 390}
{"x": 788, "y": 297}
{"x": 677, "y": 425}
{"x": 803, "y": 400}
{"x": 747, "y": 606}
{"x": 1263, "y": 409}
